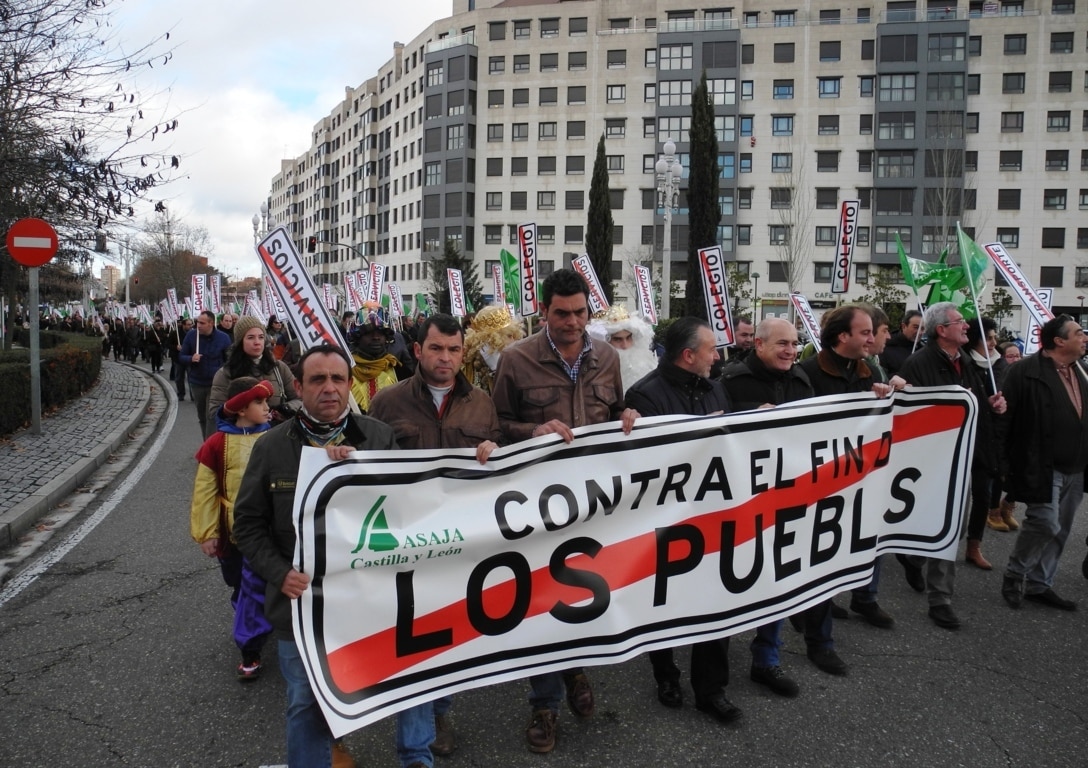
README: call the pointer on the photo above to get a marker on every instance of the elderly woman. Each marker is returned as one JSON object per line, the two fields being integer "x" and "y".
{"x": 250, "y": 355}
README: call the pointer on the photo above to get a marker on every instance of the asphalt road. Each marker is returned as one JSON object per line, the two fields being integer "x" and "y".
{"x": 119, "y": 654}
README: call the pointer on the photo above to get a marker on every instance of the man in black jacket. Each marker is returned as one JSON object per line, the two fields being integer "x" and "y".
{"x": 943, "y": 362}
{"x": 681, "y": 384}
{"x": 265, "y": 534}
{"x": 903, "y": 343}
{"x": 1047, "y": 446}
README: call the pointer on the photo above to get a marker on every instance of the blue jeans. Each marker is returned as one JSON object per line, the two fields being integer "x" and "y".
{"x": 766, "y": 643}
{"x": 415, "y": 731}
{"x": 867, "y": 594}
{"x": 546, "y": 691}
{"x": 309, "y": 740}
{"x": 1043, "y": 533}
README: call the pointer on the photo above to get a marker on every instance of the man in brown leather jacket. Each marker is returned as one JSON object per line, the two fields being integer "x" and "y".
{"x": 550, "y": 383}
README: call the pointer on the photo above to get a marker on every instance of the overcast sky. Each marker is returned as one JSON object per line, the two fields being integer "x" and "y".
{"x": 248, "y": 81}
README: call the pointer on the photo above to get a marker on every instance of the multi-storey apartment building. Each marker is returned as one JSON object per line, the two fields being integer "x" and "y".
{"x": 927, "y": 112}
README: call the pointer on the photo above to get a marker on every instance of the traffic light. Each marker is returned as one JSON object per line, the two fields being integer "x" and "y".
{"x": 311, "y": 245}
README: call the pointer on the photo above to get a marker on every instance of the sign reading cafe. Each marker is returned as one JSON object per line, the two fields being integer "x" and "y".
{"x": 433, "y": 574}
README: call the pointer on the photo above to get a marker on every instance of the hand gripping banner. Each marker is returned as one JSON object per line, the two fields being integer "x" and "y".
{"x": 432, "y": 574}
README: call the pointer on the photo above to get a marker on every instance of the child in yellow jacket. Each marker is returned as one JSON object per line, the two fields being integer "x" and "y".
{"x": 221, "y": 462}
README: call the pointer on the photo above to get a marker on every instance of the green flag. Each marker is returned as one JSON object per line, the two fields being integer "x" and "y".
{"x": 511, "y": 281}
{"x": 973, "y": 260}
{"x": 919, "y": 273}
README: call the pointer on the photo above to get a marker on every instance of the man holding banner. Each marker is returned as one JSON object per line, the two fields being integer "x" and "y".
{"x": 203, "y": 352}
{"x": 546, "y": 384}
{"x": 264, "y": 531}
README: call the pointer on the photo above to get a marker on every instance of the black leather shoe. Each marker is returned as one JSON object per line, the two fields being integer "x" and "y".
{"x": 827, "y": 661}
{"x": 944, "y": 617}
{"x": 1051, "y": 598}
{"x": 669, "y": 693}
{"x": 873, "y": 614}
{"x": 915, "y": 578}
{"x": 720, "y": 708}
{"x": 838, "y": 612}
{"x": 775, "y": 679}
{"x": 1012, "y": 589}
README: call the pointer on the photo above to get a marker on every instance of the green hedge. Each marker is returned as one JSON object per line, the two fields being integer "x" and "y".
{"x": 68, "y": 370}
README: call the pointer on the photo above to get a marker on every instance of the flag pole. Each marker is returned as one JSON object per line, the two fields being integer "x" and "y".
{"x": 960, "y": 235}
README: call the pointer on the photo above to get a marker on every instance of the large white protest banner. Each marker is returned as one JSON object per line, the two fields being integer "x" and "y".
{"x": 287, "y": 276}
{"x": 432, "y": 574}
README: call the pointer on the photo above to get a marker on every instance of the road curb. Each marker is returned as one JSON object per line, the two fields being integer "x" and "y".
{"x": 24, "y": 515}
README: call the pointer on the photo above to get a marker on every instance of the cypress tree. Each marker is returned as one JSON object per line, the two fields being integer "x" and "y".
{"x": 704, "y": 213}
{"x": 598, "y": 238}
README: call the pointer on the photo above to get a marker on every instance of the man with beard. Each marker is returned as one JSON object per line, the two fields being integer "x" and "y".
{"x": 630, "y": 336}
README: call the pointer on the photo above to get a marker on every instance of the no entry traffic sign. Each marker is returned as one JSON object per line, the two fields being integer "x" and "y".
{"x": 32, "y": 242}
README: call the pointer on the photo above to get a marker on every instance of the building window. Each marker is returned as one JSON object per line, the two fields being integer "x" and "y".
{"x": 493, "y": 234}
{"x": 898, "y": 48}
{"x": 496, "y": 65}
{"x": 522, "y": 29}
{"x": 615, "y": 127}
{"x": 1050, "y": 277}
{"x": 830, "y": 17}
{"x": 783, "y": 53}
{"x": 1010, "y": 160}
{"x": 947, "y": 47}
{"x": 1057, "y": 122}
{"x": 722, "y": 90}
{"x": 435, "y": 74}
{"x": 868, "y": 49}
{"x": 863, "y": 239}
{"x": 1054, "y": 199}
{"x": 572, "y": 234}
{"x": 897, "y": 87}
{"x": 827, "y": 162}
{"x": 674, "y": 93}
{"x": 745, "y": 162}
{"x": 1082, "y": 238}
{"x": 577, "y": 26}
{"x": 1061, "y": 42}
{"x": 1008, "y": 199}
{"x": 616, "y": 59}
{"x": 744, "y": 198}
{"x": 782, "y": 125}
{"x": 649, "y": 93}
{"x": 614, "y": 163}
{"x": 519, "y": 97}
{"x": 455, "y": 137}
{"x": 494, "y": 166}
{"x": 779, "y": 234}
{"x": 744, "y": 234}
{"x": 495, "y": 99}
{"x": 675, "y": 128}
{"x": 576, "y": 94}
{"x": 865, "y": 125}
{"x": 776, "y": 272}
{"x": 616, "y": 94}
{"x": 673, "y": 57}
{"x": 1062, "y": 7}
{"x": 894, "y": 202}
{"x": 1013, "y": 82}
{"x": 781, "y": 197}
{"x": 783, "y": 89}
{"x": 830, "y": 50}
{"x": 865, "y": 161}
{"x": 827, "y": 125}
{"x": 1061, "y": 82}
{"x": 970, "y": 122}
{"x": 521, "y": 63}
{"x": 1016, "y": 45}
{"x": 549, "y": 27}
{"x": 821, "y": 272}
{"x": 945, "y": 86}
{"x": 649, "y": 58}
{"x": 784, "y": 18}
{"x": 576, "y": 165}
{"x": 432, "y": 174}
{"x": 970, "y": 161}
{"x": 829, "y": 87}
{"x": 493, "y": 201}
{"x": 827, "y": 198}
{"x": 884, "y": 241}
{"x": 1057, "y": 159}
{"x": 895, "y": 125}
{"x": 518, "y": 202}
{"x": 725, "y": 127}
{"x": 576, "y": 129}
{"x": 1053, "y": 237}
{"x": 781, "y": 162}
{"x": 576, "y": 61}
{"x": 496, "y": 30}
{"x": 1012, "y": 122}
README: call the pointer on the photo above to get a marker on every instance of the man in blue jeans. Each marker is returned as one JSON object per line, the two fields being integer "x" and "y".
{"x": 1047, "y": 446}
{"x": 265, "y": 535}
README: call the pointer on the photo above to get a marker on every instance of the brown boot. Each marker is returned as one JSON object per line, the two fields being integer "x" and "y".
{"x": 1007, "y": 510}
{"x": 974, "y": 555}
{"x": 996, "y": 522}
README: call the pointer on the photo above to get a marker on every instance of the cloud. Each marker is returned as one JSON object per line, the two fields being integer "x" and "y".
{"x": 248, "y": 81}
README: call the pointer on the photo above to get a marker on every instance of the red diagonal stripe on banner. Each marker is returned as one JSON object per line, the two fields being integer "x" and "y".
{"x": 294, "y": 295}
{"x": 371, "y": 659}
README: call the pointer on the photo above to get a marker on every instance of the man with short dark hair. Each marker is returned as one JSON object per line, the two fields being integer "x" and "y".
{"x": 903, "y": 343}
{"x": 203, "y": 351}
{"x": 1047, "y": 447}
{"x": 681, "y": 384}
{"x": 265, "y": 533}
{"x": 436, "y": 408}
{"x": 547, "y": 384}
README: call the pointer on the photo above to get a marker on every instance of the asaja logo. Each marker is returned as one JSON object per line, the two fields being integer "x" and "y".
{"x": 374, "y": 534}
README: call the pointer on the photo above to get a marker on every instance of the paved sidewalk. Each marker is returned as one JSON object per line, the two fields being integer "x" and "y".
{"x": 39, "y": 471}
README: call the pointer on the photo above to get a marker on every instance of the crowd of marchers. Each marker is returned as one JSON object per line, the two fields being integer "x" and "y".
{"x": 439, "y": 383}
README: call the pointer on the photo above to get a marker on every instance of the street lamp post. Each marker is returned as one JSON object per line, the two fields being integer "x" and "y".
{"x": 263, "y": 223}
{"x": 669, "y": 171}
{"x": 755, "y": 298}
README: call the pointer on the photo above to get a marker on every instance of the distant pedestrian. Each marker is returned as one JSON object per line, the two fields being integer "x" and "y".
{"x": 203, "y": 351}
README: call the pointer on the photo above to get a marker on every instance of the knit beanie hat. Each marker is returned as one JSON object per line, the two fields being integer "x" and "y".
{"x": 262, "y": 391}
{"x": 244, "y": 323}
